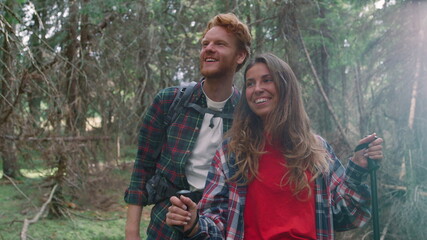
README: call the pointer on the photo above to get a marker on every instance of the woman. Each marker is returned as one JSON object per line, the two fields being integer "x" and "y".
{"x": 273, "y": 178}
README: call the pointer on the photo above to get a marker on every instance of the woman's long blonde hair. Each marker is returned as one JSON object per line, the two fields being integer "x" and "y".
{"x": 287, "y": 126}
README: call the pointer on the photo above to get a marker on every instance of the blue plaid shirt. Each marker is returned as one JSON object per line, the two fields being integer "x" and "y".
{"x": 342, "y": 202}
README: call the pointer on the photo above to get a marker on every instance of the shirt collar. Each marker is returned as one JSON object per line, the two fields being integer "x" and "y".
{"x": 199, "y": 97}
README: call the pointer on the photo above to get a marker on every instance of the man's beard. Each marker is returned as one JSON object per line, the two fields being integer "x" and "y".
{"x": 217, "y": 72}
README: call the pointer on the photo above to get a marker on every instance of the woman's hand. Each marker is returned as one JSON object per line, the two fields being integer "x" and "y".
{"x": 183, "y": 212}
{"x": 374, "y": 151}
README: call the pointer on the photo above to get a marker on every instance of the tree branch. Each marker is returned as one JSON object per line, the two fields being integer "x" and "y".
{"x": 36, "y": 218}
{"x": 19, "y": 190}
{"x": 322, "y": 91}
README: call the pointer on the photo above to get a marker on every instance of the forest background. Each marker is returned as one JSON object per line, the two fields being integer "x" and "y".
{"x": 77, "y": 76}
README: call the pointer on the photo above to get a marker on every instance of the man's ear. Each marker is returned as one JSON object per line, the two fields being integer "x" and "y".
{"x": 241, "y": 56}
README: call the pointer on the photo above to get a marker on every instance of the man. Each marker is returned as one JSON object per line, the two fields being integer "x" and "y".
{"x": 191, "y": 140}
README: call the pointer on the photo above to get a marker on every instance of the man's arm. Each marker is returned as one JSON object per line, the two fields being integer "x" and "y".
{"x": 150, "y": 136}
{"x": 133, "y": 221}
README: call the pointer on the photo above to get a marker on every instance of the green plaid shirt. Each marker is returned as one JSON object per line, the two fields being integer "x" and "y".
{"x": 181, "y": 136}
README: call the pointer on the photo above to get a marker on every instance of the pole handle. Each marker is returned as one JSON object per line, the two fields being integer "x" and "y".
{"x": 372, "y": 165}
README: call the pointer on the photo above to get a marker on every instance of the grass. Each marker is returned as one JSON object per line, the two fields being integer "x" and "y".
{"x": 88, "y": 223}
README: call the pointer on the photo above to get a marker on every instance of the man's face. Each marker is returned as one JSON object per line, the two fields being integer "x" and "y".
{"x": 219, "y": 55}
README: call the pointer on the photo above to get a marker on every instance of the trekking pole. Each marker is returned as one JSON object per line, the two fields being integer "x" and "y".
{"x": 373, "y": 167}
{"x": 375, "y": 218}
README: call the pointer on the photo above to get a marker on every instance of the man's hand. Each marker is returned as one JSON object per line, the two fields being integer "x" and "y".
{"x": 374, "y": 151}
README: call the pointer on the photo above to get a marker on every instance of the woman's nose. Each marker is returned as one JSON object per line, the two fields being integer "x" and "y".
{"x": 258, "y": 87}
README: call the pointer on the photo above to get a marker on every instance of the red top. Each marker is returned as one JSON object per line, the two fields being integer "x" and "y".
{"x": 271, "y": 211}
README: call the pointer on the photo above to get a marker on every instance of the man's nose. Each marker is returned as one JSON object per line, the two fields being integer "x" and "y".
{"x": 209, "y": 47}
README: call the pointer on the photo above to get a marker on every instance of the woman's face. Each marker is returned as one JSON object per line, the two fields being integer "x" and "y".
{"x": 261, "y": 91}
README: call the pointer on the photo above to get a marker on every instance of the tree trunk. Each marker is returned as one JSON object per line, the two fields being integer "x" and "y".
{"x": 56, "y": 209}
{"x": 323, "y": 66}
{"x": 8, "y": 152}
{"x": 363, "y": 116}
{"x": 85, "y": 70}
{"x": 35, "y": 79}
{"x": 8, "y": 87}
{"x": 258, "y": 29}
{"x": 72, "y": 87}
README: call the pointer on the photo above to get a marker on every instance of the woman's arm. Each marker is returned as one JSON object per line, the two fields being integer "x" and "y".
{"x": 350, "y": 198}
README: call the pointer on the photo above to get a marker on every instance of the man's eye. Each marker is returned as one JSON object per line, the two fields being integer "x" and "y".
{"x": 249, "y": 84}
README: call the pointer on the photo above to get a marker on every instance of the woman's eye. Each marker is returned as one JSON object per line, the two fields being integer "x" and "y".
{"x": 249, "y": 84}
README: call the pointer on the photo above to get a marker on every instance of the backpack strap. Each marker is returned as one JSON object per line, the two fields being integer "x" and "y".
{"x": 213, "y": 112}
{"x": 181, "y": 99}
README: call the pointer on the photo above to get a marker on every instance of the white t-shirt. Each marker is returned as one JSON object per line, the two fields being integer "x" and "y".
{"x": 197, "y": 166}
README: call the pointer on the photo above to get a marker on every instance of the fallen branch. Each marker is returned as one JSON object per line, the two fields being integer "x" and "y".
{"x": 384, "y": 233}
{"x": 36, "y": 218}
{"x": 64, "y": 139}
{"x": 366, "y": 235}
{"x": 403, "y": 188}
{"x": 19, "y": 190}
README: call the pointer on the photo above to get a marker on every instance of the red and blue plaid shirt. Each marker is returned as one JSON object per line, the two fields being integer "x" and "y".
{"x": 342, "y": 201}
{"x": 181, "y": 136}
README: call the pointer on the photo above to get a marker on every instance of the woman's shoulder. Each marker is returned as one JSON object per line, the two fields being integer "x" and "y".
{"x": 324, "y": 144}
{"x": 321, "y": 141}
